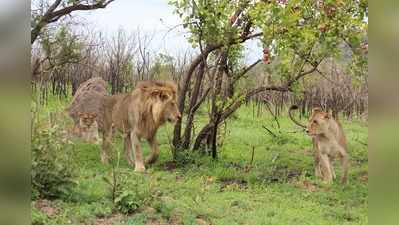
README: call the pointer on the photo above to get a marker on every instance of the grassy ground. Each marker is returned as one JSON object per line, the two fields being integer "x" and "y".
{"x": 278, "y": 188}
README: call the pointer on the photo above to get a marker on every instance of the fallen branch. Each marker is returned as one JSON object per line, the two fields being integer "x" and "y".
{"x": 269, "y": 131}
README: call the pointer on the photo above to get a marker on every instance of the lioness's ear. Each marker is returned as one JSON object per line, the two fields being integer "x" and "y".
{"x": 329, "y": 114}
{"x": 316, "y": 110}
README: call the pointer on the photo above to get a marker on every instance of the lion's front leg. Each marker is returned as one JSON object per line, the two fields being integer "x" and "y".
{"x": 127, "y": 148}
{"x": 154, "y": 151}
{"x": 138, "y": 156}
{"x": 106, "y": 146}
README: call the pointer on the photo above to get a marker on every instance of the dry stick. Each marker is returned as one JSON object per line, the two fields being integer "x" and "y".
{"x": 274, "y": 115}
{"x": 252, "y": 156}
{"x": 269, "y": 131}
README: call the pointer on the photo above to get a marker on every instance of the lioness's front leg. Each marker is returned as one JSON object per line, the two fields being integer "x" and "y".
{"x": 154, "y": 151}
{"x": 316, "y": 152}
{"x": 326, "y": 165}
{"x": 138, "y": 156}
{"x": 345, "y": 164}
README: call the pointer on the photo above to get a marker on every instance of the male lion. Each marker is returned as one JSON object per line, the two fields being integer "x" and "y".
{"x": 329, "y": 141}
{"x": 138, "y": 115}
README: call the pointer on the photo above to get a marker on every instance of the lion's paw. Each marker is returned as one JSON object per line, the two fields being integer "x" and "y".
{"x": 139, "y": 168}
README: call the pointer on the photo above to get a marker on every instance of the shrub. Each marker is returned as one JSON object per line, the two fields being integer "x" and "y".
{"x": 53, "y": 169}
{"x": 132, "y": 193}
{"x": 128, "y": 193}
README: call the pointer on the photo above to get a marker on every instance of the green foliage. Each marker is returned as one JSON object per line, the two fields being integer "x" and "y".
{"x": 53, "y": 168}
{"x": 163, "y": 66}
{"x": 61, "y": 46}
{"x": 38, "y": 218}
{"x": 298, "y": 34}
{"x": 299, "y": 28}
{"x": 133, "y": 192}
{"x": 207, "y": 20}
{"x": 229, "y": 190}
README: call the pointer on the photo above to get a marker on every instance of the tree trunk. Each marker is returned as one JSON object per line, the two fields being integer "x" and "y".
{"x": 184, "y": 86}
{"x": 193, "y": 101}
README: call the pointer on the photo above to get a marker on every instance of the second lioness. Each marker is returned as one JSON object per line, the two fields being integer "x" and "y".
{"x": 329, "y": 141}
{"x": 138, "y": 115}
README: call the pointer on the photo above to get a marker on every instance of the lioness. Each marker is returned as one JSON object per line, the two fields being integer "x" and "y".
{"x": 138, "y": 115}
{"x": 88, "y": 127}
{"x": 328, "y": 142}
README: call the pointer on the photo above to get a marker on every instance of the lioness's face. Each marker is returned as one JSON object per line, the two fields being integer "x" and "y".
{"x": 87, "y": 119}
{"x": 318, "y": 123}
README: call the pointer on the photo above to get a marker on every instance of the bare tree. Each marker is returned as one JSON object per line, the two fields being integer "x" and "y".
{"x": 120, "y": 51}
{"x": 143, "y": 59}
{"x": 44, "y": 12}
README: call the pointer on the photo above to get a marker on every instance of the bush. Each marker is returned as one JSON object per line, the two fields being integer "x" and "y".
{"x": 128, "y": 194}
{"x": 53, "y": 167}
{"x": 132, "y": 193}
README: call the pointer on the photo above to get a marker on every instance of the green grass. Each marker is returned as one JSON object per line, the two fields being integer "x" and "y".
{"x": 225, "y": 191}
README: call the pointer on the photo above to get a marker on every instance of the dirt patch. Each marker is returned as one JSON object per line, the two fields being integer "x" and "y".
{"x": 148, "y": 210}
{"x": 309, "y": 186}
{"x": 175, "y": 220}
{"x": 233, "y": 182}
{"x": 179, "y": 178}
{"x": 169, "y": 165}
{"x": 109, "y": 220}
{"x": 202, "y": 220}
{"x": 280, "y": 175}
{"x": 155, "y": 221}
{"x": 46, "y": 207}
{"x": 235, "y": 165}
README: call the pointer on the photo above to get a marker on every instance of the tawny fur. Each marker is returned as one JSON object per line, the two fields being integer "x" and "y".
{"x": 89, "y": 98}
{"x": 88, "y": 127}
{"x": 329, "y": 141}
{"x": 138, "y": 115}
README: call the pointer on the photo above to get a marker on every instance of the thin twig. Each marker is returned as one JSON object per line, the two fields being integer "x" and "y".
{"x": 269, "y": 131}
{"x": 252, "y": 156}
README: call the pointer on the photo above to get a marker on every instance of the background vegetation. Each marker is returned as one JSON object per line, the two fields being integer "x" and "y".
{"x": 312, "y": 53}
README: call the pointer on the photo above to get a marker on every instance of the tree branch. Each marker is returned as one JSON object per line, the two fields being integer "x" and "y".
{"x": 246, "y": 70}
{"x": 201, "y": 100}
{"x": 300, "y": 75}
{"x": 52, "y": 15}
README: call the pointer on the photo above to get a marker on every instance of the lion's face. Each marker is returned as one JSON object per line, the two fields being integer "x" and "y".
{"x": 318, "y": 123}
{"x": 170, "y": 110}
{"x": 165, "y": 107}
